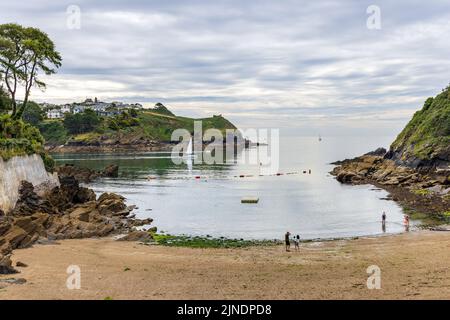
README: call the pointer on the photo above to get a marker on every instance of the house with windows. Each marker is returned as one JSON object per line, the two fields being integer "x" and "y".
{"x": 67, "y": 108}
{"x": 54, "y": 114}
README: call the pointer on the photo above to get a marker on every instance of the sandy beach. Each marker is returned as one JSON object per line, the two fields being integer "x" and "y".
{"x": 415, "y": 265}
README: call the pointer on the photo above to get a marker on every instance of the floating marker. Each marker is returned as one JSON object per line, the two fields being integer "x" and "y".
{"x": 249, "y": 200}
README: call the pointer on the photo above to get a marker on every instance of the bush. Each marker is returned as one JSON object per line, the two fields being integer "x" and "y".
{"x": 53, "y": 132}
{"x": 124, "y": 120}
{"x": 5, "y": 101}
{"x": 81, "y": 122}
{"x": 33, "y": 114}
{"x": 18, "y": 138}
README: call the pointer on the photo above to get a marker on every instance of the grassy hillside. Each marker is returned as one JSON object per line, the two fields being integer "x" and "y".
{"x": 426, "y": 138}
{"x": 153, "y": 124}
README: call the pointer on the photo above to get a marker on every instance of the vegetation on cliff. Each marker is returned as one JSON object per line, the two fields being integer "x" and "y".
{"x": 425, "y": 141}
{"x": 25, "y": 54}
{"x": 127, "y": 127}
{"x": 18, "y": 138}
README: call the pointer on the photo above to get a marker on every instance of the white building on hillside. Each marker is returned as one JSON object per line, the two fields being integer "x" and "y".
{"x": 66, "y": 109}
{"x": 54, "y": 114}
{"x": 78, "y": 109}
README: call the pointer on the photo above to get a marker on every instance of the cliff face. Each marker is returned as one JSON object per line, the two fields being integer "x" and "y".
{"x": 12, "y": 172}
{"x": 425, "y": 141}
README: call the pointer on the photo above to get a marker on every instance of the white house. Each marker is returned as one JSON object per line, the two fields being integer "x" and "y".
{"x": 66, "y": 109}
{"x": 78, "y": 109}
{"x": 54, "y": 114}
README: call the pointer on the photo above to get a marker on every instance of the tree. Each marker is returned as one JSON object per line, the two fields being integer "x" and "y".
{"x": 24, "y": 54}
{"x": 33, "y": 114}
{"x": 81, "y": 122}
{"x": 5, "y": 101}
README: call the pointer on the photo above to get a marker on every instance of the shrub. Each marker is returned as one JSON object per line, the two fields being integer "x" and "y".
{"x": 18, "y": 138}
{"x": 53, "y": 132}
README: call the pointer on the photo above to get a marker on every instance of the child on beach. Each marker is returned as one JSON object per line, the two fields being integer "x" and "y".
{"x": 297, "y": 242}
{"x": 406, "y": 222}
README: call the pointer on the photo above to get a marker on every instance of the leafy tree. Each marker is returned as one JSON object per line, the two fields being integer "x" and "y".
{"x": 33, "y": 114}
{"x": 160, "y": 108}
{"x": 53, "y": 132}
{"x": 124, "y": 120}
{"x": 81, "y": 122}
{"x": 5, "y": 101}
{"x": 24, "y": 54}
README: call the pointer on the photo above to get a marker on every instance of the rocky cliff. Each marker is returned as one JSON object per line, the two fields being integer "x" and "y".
{"x": 416, "y": 169}
{"x": 68, "y": 211}
{"x": 29, "y": 168}
{"x": 425, "y": 141}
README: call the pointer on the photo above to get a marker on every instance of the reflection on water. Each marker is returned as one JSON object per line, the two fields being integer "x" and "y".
{"x": 312, "y": 205}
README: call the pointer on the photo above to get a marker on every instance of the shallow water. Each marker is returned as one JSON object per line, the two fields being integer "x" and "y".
{"x": 313, "y": 205}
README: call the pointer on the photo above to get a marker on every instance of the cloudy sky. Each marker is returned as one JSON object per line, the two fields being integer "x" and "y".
{"x": 304, "y": 66}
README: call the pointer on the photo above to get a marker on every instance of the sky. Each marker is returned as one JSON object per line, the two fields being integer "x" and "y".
{"x": 306, "y": 67}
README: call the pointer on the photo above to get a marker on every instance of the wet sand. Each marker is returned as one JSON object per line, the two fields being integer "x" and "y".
{"x": 414, "y": 265}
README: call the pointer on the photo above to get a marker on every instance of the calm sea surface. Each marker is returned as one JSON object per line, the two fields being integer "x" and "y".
{"x": 313, "y": 205}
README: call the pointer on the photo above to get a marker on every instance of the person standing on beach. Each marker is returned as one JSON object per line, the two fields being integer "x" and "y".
{"x": 297, "y": 242}
{"x": 287, "y": 241}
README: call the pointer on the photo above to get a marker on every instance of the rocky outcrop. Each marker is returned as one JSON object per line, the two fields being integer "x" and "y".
{"x": 28, "y": 168}
{"x": 424, "y": 143}
{"x": 427, "y": 191}
{"x": 87, "y": 175}
{"x": 112, "y": 146}
{"x": 68, "y": 211}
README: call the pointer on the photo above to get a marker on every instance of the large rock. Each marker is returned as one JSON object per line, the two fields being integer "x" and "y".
{"x": 81, "y": 174}
{"x": 23, "y": 168}
{"x": 87, "y": 175}
{"x": 110, "y": 203}
{"x": 15, "y": 236}
{"x": 68, "y": 211}
{"x": 29, "y": 201}
{"x": 111, "y": 171}
{"x": 6, "y": 265}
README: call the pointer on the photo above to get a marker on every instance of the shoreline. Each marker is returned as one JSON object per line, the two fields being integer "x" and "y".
{"x": 250, "y": 242}
{"x": 414, "y": 265}
{"x": 423, "y": 194}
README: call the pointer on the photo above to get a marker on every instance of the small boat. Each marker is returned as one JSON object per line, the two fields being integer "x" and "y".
{"x": 320, "y": 138}
{"x": 189, "y": 149}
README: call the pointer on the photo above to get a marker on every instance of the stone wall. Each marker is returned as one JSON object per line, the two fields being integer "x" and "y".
{"x": 29, "y": 168}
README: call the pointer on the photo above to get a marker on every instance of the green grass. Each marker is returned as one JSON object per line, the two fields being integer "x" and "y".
{"x": 427, "y": 135}
{"x": 148, "y": 124}
{"x": 421, "y": 192}
{"x": 207, "y": 242}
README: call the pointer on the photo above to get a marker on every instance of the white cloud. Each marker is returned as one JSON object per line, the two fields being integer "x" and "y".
{"x": 270, "y": 63}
